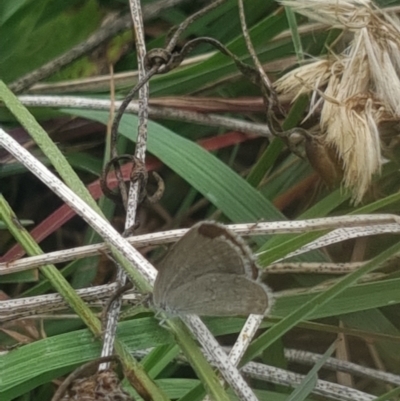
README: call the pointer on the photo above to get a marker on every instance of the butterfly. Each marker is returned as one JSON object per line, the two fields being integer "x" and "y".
{"x": 210, "y": 271}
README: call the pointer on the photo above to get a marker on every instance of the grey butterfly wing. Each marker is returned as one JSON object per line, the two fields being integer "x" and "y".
{"x": 207, "y": 247}
{"x": 217, "y": 294}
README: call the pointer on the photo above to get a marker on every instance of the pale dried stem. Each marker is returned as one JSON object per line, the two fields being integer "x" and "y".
{"x": 134, "y": 189}
{"x": 349, "y": 227}
{"x": 154, "y": 112}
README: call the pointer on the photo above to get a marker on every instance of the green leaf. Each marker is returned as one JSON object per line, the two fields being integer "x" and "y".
{"x": 230, "y": 193}
{"x": 41, "y": 30}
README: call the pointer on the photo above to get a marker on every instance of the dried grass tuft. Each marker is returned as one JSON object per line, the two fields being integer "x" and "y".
{"x": 358, "y": 88}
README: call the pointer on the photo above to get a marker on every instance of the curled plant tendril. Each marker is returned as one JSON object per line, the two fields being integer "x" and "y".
{"x": 159, "y": 192}
{"x": 114, "y": 162}
{"x": 118, "y": 293}
{"x": 138, "y": 174}
{"x": 162, "y": 60}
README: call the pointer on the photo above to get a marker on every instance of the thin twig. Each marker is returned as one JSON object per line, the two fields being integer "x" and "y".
{"x": 264, "y": 78}
{"x": 356, "y": 226}
{"x": 218, "y": 357}
{"x": 183, "y": 26}
{"x": 322, "y": 387}
{"x": 154, "y": 112}
{"x": 134, "y": 190}
{"x": 124, "y": 79}
{"x": 13, "y": 309}
{"x": 310, "y": 358}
